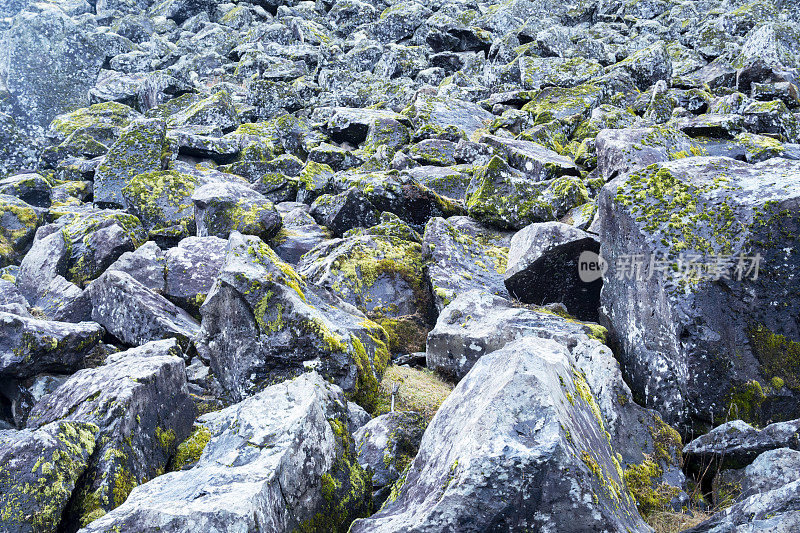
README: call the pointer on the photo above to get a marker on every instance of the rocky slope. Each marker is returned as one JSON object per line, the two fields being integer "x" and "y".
{"x": 222, "y": 223}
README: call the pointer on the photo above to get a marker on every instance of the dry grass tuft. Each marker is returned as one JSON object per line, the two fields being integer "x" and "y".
{"x": 671, "y": 522}
{"x": 419, "y": 390}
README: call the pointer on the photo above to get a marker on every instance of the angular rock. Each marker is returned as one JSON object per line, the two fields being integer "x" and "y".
{"x": 32, "y": 189}
{"x": 63, "y": 301}
{"x": 534, "y": 160}
{"x": 38, "y": 472}
{"x": 135, "y": 314}
{"x": 221, "y": 208}
{"x": 676, "y": 328}
{"x": 191, "y": 269}
{"x": 464, "y": 254}
{"x": 30, "y": 346}
{"x": 142, "y": 410}
{"x": 347, "y": 210}
{"x": 282, "y": 460}
{"x": 468, "y": 474}
{"x": 146, "y": 265}
{"x": 620, "y": 151}
{"x": 544, "y": 266}
{"x": 262, "y": 323}
{"x": 141, "y": 148}
{"x": 771, "y": 470}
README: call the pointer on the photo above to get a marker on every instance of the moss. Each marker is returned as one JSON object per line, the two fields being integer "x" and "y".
{"x": 667, "y": 442}
{"x": 650, "y": 496}
{"x": 582, "y": 390}
{"x": 165, "y": 438}
{"x": 777, "y": 383}
{"x": 406, "y": 335}
{"x": 779, "y": 356}
{"x": 745, "y": 401}
{"x": 421, "y": 391}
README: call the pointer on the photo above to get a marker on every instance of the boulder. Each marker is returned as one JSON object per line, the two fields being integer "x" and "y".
{"x": 30, "y": 346}
{"x": 706, "y": 336}
{"x": 32, "y": 189}
{"x": 49, "y": 64}
{"x": 143, "y": 411}
{"x": 771, "y": 470}
{"x": 282, "y": 460}
{"x": 544, "y": 266}
{"x": 620, "y": 151}
{"x": 386, "y": 446}
{"x": 220, "y": 208}
{"x": 191, "y": 269}
{"x": 344, "y": 211}
{"x": 519, "y": 443}
{"x": 136, "y": 315}
{"x": 18, "y": 223}
{"x": 381, "y": 275}
{"x": 464, "y": 254}
{"x": 63, "y": 301}
{"x": 262, "y": 323}
{"x": 299, "y": 235}
{"x": 532, "y": 159}
{"x": 146, "y": 264}
{"x": 142, "y": 147}
{"x": 39, "y": 470}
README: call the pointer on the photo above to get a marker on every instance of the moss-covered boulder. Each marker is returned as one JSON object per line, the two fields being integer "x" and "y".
{"x": 18, "y": 223}
{"x": 142, "y": 147}
{"x": 163, "y": 201}
{"x": 282, "y": 460}
{"x": 216, "y": 110}
{"x": 96, "y": 238}
{"x": 223, "y": 207}
{"x": 38, "y": 472}
{"x": 33, "y": 189}
{"x": 464, "y": 254}
{"x": 344, "y": 211}
{"x": 262, "y": 323}
{"x": 90, "y": 131}
{"x": 140, "y": 405}
{"x": 506, "y": 198}
{"x": 382, "y": 275}
{"x": 703, "y": 337}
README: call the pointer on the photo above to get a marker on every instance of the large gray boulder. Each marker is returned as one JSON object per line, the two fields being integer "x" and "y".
{"x": 38, "y": 472}
{"x": 262, "y": 323}
{"x": 282, "y": 460}
{"x": 191, "y": 268}
{"x": 49, "y": 63}
{"x": 464, "y": 255}
{"x": 705, "y": 343}
{"x": 135, "y": 314}
{"x": 29, "y": 346}
{"x": 519, "y": 443}
{"x": 143, "y": 411}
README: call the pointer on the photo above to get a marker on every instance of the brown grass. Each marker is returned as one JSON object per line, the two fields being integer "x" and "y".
{"x": 420, "y": 390}
{"x": 670, "y": 522}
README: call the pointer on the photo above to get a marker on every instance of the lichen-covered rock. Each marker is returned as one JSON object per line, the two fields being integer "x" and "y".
{"x": 464, "y": 255}
{"x": 146, "y": 265}
{"x": 436, "y": 114}
{"x": 135, "y": 314}
{"x": 299, "y": 235}
{"x": 89, "y": 131}
{"x": 282, "y": 460}
{"x": 142, "y": 147}
{"x": 18, "y": 223}
{"x": 216, "y": 110}
{"x": 38, "y": 472}
{"x": 32, "y": 189}
{"x": 620, "y": 151}
{"x": 544, "y": 267}
{"x": 344, "y": 211}
{"x": 262, "y": 323}
{"x": 381, "y": 275}
{"x": 163, "y": 201}
{"x": 510, "y": 199}
{"x": 703, "y": 343}
{"x": 17, "y": 148}
{"x": 386, "y": 446}
{"x": 771, "y": 470}
{"x": 191, "y": 269}
{"x": 532, "y": 159}
{"x": 533, "y": 455}
{"x": 143, "y": 411}
{"x": 223, "y": 207}
{"x": 30, "y": 346}
{"x": 648, "y": 65}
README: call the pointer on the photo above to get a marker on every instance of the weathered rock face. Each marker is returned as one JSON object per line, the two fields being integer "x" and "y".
{"x": 771, "y": 470}
{"x": 386, "y": 446}
{"x": 544, "y": 267}
{"x": 262, "y": 323}
{"x": 18, "y": 223}
{"x": 468, "y": 474}
{"x": 49, "y": 63}
{"x": 135, "y": 314}
{"x": 29, "y": 346}
{"x": 464, "y": 255}
{"x": 695, "y": 347}
{"x": 221, "y": 208}
{"x": 381, "y": 275}
{"x": 140, "y": 404}
{"x": 191, "y": 269}
{"x": 282, "y": 460}
{"x": 38, "y": 471}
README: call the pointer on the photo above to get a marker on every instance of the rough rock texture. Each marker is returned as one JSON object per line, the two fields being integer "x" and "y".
{"x": 263, "y": 323}
{"x": 513, "y": 414}
{"x": 38, "y": 471}
{"x": 140, "y": 404}
{"x": 282, "y": 460}
{"x": 676, "y": 330}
